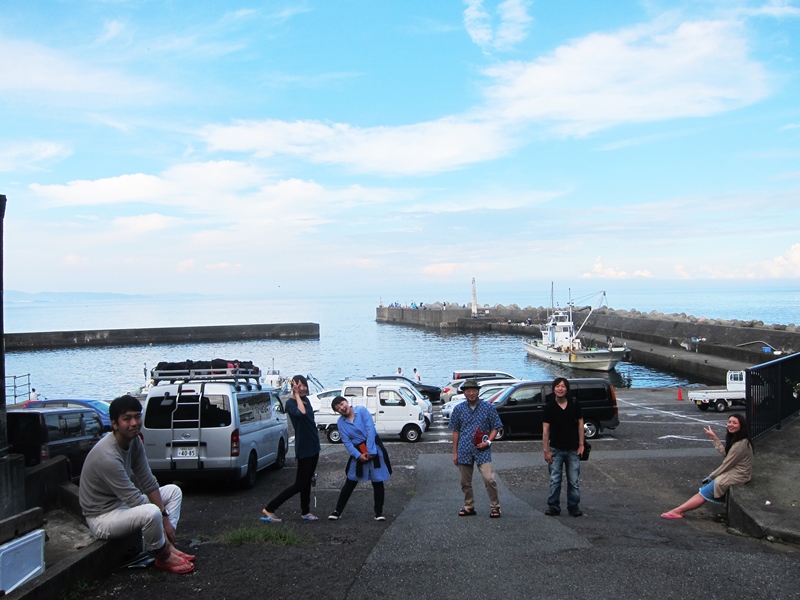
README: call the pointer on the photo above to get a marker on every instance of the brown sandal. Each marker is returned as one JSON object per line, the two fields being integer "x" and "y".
{"x": 467, "y": 512}
{"x": 495, "y": 514}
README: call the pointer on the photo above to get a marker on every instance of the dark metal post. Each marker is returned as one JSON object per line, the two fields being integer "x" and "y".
{"x": 3, "y": 431}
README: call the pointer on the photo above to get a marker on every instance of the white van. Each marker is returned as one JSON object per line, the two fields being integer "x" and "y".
{"x": 212, "y": 423}
{"x": 351, "y": 387}
{"x": 392, "y": 407}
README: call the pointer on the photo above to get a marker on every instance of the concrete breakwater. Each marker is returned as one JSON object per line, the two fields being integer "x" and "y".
{"x": 677, "y": 343}
{"x": 158, "y": 335}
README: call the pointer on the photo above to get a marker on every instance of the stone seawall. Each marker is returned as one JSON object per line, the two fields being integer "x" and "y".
{"x": 668, "y": 342}
{"x": 158, "y": 335}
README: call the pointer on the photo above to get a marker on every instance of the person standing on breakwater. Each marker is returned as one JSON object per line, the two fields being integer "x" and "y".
{"x": 562, "y": 440}
{"x": 399, "y": 370}
{"x": 417, "y": 377}
{"x": 369, "y": 460}
{"x": 306, "y": 447}
{"x": 475, "y": 424}
{"x": 736, "y": 468}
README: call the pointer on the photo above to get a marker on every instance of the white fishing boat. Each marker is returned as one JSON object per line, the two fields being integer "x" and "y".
{"x": 560, "y": 344}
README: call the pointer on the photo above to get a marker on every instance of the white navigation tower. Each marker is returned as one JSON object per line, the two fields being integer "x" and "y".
{"x": 474, "y": 299}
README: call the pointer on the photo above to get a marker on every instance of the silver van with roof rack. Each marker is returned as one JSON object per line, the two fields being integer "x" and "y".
{"x": 213, "y": 420}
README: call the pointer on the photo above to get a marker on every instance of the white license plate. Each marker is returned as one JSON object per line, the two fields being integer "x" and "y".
{"x": 186, "y": 452}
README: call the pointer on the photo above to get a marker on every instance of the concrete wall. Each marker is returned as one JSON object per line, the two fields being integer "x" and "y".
{"x": 158, "y": 335}
{"x": 12, "y": 485}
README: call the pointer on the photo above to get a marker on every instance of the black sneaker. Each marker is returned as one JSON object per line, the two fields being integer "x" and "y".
{"x": 576, "y": 513}
{"x": 334, "y": 516}
{"x": 552, "y": 511}
{"x": 380, "y": 518}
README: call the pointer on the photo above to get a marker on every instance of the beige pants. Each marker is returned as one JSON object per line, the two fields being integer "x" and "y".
{"x": 146, "y": 517}
{"x": 487, "y": 473}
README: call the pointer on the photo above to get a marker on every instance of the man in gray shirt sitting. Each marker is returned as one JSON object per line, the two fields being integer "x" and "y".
{"x": 119, "y": 495}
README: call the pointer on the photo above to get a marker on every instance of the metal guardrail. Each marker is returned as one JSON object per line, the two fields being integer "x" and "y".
{"x": 18, "y": 388}
{"x": 773, "y": 394}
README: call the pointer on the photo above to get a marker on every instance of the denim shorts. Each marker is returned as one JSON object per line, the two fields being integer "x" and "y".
{"x": 707, "y": 492}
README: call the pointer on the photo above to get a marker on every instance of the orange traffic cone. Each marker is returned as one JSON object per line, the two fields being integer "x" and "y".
{"x": 680, "y": 395}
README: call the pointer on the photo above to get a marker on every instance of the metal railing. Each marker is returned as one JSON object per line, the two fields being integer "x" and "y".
{"x": 18, "y": 388}
{"x": 773, "y": 394}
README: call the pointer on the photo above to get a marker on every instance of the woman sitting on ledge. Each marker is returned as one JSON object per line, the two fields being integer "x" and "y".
{"x": 736, "y": 468}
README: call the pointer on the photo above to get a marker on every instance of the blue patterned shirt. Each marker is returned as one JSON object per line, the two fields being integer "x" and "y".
{"x": 465, "y": 420}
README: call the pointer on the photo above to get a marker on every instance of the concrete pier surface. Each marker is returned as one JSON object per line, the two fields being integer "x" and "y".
{"x": 158, "y": 335}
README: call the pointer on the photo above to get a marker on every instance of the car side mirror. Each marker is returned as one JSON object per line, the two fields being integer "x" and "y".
{"x": 511, "y": 401}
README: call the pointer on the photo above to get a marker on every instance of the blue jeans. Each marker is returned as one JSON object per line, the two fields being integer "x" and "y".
{"x": 572, "y": 462}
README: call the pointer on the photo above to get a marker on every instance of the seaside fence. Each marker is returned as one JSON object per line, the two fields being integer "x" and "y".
{"x": 773, "y": 394}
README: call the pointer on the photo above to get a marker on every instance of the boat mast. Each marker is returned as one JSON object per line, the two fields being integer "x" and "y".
{"x": 597, "y": 305}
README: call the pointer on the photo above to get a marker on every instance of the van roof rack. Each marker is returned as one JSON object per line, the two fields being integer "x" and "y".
{"x": 206, "y": 371}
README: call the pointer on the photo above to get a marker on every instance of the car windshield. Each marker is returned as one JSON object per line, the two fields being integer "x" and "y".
{"x": 407, "y": 395}
{"x": 99, "y": 405}
{"x": 489, "y": 392}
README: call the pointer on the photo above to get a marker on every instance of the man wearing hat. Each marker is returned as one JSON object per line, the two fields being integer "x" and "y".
{"x": 475, "y": 424}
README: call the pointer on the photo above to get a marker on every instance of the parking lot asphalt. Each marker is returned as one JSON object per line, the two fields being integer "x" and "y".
{"x": 619, "y": 548}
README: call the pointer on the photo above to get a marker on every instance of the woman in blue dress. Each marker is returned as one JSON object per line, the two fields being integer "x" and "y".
{"x": 368, "y": 460}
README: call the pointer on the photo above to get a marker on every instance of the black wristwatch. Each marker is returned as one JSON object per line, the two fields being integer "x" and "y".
{"x": 165, "y": 513}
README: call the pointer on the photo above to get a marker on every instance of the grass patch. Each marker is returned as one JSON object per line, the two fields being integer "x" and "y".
{"x": 78, "y": 590}
{"x": 156, "y": 576}
{"x": 284, "y": 535}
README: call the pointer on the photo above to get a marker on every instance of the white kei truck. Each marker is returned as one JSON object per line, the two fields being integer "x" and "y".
{"x": 722, "y": 399}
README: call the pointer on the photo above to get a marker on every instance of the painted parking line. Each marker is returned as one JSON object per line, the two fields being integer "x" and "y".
{"x": 670, "y": 413}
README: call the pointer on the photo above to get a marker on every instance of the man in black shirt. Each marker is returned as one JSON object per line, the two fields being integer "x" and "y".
{"x": 562, "y": 439}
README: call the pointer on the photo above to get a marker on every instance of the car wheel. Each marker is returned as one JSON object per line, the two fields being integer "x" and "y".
{"x": 411, "y": 433}
{"x": 333, "y": 435}
{"x": 252, "y": 472}
{"x": 280, "y": 461}
{"x": 720, "y": 406}
{"x": 501, "y": 434}
{"x": 591, "y": 429}
{"x": 702, "y": 406}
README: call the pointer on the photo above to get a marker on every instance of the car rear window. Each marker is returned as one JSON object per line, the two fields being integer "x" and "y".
{"x": 23, "y": 428}
{"x": 592, "y": 393}
{"x": 63, "y": 427}
{"x": 162, "y": 411}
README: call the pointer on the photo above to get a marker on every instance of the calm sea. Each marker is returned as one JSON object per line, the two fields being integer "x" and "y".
{"x": 351, "y": 342}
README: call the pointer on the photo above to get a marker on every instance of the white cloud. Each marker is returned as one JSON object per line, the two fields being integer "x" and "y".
{"x": 773, "y": 8}
{"x": 142, "y": 224}
{"x": 28, "y": 68}
{"x": 600, "y": 271}
{"x": 786, "y": 265}
{"x": 511, "y": 29}
{"x": 111, "y": 30}
{"x": 640, "y": 74}
{"x": 28, "y": 155}
{"x": 421, "y": 148}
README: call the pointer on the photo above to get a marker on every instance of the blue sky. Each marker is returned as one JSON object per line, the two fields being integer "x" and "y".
{"x": 398, "y": 146}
